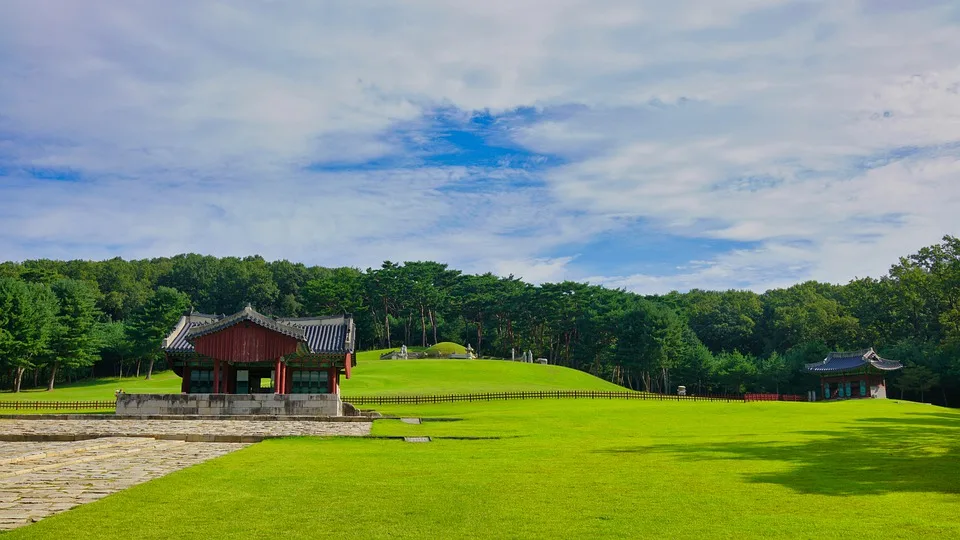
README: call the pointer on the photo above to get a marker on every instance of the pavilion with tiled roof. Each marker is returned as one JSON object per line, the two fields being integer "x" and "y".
{"x": 251, "y": 353}
{"x": 857, "y": 374}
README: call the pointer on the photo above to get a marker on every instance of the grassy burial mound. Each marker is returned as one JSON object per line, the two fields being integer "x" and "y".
{"x": 569, "y": 469}
{"x": 445, "y": 348}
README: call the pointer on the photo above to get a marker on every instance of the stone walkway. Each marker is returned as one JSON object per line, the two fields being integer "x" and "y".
{"x": 38, "y": 479}
{"x": 48, "y": 466}
{"x": 188, "y": 430}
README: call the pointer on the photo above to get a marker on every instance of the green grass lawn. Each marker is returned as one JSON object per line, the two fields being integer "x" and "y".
{"x": 570, "y": 469}
{"x": 446, "y": 347}
{"x": 371, "y": 376}
{"x": 163, "y": 382}
{"x": 389, "y": 377}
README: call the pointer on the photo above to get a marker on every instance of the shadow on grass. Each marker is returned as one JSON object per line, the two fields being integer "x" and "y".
{"x": 869, "y": 456}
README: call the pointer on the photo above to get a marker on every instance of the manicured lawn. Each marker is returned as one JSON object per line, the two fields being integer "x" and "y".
{"x": 571, "y": 469}
{"x": 163, "y": 382}
{"x": 388, "y": 377}
{"x": 370, "y": 376}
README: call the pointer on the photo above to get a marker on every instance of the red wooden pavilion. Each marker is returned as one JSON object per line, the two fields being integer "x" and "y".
{"x": 858, "y": 374}
{"x": 251, "y": 353}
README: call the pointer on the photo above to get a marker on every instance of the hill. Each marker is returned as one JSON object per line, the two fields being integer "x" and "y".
{"x": 463, "y": 376}
{"x": 371, "y": 376}
{"x": 163, "y": 382}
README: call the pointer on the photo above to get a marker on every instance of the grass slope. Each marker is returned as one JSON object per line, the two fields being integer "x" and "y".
{"x": 385, "y": 377}
{"x": 569, "y": 469}
{"x": 163, "y": 382}
{"x": 371, "y": 376}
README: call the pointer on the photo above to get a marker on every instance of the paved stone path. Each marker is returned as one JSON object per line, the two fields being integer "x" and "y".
{"x": 38, "y": 479}
{"x": 191, "y": 430}
{"x": 98, "y": 457}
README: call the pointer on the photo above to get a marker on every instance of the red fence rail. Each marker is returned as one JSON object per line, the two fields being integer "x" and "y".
{"x": 549, "y": 394}
{"x": 57, "y": 405}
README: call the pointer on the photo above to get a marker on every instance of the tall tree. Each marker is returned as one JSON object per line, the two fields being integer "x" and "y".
{"x": 73, "y": 341}
{"x": 27, "y": 314}
{"x": 153, "y": 322}
{"x": 115, "y": 343}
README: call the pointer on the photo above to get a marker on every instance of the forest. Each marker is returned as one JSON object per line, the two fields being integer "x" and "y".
{"x": 69, "y": 320}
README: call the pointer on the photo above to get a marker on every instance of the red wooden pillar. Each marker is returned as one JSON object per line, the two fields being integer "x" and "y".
{"x": 287, "y": 379}
{"x": 276, "y": 377}
{"x": 216, "y": 376}
{"x": 185, "y": 382}
{"x": 332, "y": 380}
{"x": 225, "y": 383}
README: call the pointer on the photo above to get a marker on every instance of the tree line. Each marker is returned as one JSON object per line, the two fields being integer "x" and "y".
{"x": 58, "y": 319}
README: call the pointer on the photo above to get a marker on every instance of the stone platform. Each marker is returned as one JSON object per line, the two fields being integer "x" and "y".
{"x": 211, "y": 405}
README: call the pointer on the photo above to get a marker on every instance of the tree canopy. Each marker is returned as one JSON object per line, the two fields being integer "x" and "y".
{"x": 732, "y": 340}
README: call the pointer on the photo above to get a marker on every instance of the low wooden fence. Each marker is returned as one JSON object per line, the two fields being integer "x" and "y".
{"x": 446, "y": 398}
{"x": 57, "y": 405}
{"x": 774, "y": 397}
{"x": 551, "y": 394}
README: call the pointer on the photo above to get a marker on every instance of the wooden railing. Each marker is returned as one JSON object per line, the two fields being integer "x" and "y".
{"x": 774, "y": 397}
{"x": 446, "y": 398}
{"x": 57, "y": 405}
{"x": 547, "y": 394}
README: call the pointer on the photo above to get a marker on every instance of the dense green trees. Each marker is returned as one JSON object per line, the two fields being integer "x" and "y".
{"x": 27, "y": 316}
{"x": 56, "y": 317}
{"x": 73, "y": 340}
{"x": 153, "y": 322}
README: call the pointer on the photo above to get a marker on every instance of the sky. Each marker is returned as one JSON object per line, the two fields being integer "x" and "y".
{"x": 648, "y": 145}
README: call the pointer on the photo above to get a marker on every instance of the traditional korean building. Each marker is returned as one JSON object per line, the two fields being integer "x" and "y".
{"x": 857, "y": 374}
{"x": 251, "y": 353}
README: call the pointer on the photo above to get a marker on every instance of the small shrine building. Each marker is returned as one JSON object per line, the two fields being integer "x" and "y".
{"x": 251, "y": 353}
{"x": 859, "y": 374}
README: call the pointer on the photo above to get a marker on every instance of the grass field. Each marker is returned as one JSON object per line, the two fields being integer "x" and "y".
{"x": 384, "y": 377}
{"x": 371, "y": 376}
{"x": 162, "y": 382}
{"x": 557, "y": 468}
{"x": 570, "y": 469}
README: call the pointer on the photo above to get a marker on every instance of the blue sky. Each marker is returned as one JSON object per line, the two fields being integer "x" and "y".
{"x": 640, "y": 144}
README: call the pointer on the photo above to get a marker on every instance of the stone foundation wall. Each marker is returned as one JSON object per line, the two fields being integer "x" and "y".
{"x": 230, "y": 404}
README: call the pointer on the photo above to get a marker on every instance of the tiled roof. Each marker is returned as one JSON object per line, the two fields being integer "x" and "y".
{"x": 178, "y": 341}
{"x": 325, "y": 334}
{"x": 321, "y": 335}
{"x": 246, "y": 314}
{"x": 844, "y": 361}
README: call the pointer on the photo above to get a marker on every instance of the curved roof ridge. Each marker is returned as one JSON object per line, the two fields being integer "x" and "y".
{"x": 295, "y": 320}
{"x": 850, "y": 354}
{"x": 246, "y": 314}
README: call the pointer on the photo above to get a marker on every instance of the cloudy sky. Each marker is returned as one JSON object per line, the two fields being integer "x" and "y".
{"x": 649, "y": 145}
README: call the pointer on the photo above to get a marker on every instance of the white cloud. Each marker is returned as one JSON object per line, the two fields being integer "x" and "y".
{"x": 778, "y": 124}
